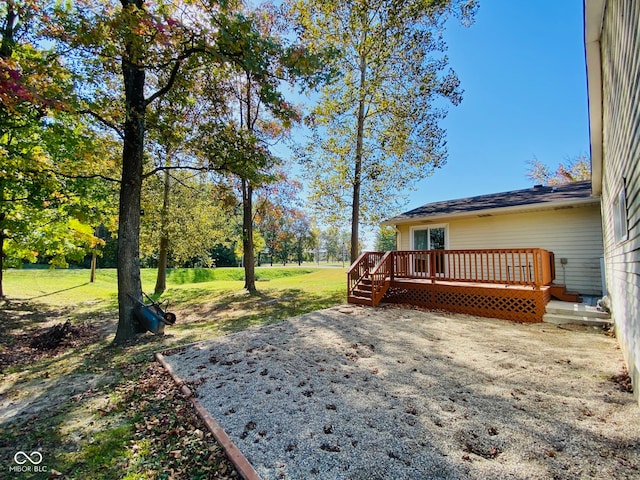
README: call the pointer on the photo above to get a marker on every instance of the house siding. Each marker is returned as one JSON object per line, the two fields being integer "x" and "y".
{"x": 571, "y": 233}
{"x": 620, "y": 44}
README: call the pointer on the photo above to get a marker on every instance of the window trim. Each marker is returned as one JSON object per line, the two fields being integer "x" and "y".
{"x": 427, "y": 227}
{"x": 621, "y": 215}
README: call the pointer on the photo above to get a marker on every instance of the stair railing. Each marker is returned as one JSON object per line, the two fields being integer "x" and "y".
{"x": 381, "y": 277}
{"x": 361, "y": 268}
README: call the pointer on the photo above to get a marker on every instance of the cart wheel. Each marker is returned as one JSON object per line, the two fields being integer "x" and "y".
{"x": 170, "y": 318}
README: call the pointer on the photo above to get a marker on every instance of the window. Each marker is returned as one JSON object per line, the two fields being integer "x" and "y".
{"x": 620, "y": 228}
{"x": 429, "y": 238}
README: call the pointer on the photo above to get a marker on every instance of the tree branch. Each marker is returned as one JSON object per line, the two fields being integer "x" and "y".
{"x": 225, "y": 167}
{"x": 162, "y": 169}
{"x": 172, "y": 78}
{"x": 104, "y": 121}
{"x": 93, "y": 175}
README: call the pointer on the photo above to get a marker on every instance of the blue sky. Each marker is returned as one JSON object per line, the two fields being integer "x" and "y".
{"x": 521, "y": 65}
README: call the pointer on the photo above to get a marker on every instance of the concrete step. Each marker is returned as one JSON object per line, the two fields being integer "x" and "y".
{"x": 577, "y": 309}
{"x": 559, "y": 319}
{"x": 560, "y": 313}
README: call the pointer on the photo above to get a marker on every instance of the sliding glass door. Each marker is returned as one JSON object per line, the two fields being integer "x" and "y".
{"x": 429, "y": 238}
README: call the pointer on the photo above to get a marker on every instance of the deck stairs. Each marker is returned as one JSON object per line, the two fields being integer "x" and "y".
{"x": 576, "y": 313}
{"x": 361, "y": 295}
{"x": 559, "y": 292}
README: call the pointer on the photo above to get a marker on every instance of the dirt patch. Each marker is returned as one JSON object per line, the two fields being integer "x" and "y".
{"x": 623, "y": 380}
{"x": 29, "y": 334}
{"x": 360, "y": 393}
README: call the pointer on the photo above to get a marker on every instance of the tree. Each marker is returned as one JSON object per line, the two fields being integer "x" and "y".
{"x": 236, "y": 150}
{"x": 185, "y": 222}
{"x": 377, "y": 126}
{"x": 116, "y": 50}
{"x": 275, "y": 213}
{"x": 335, "y": 242}
{"x": 572, "y": 170}
{"x": 182, "y": 210}
{"x": 267, "y": 123}
{"x": 301, "y": 230}
{"x": 386, "y": 239}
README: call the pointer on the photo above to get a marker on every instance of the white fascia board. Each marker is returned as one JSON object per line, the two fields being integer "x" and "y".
{"x": 532, "y": 207}
{"x": 593, "y": 19}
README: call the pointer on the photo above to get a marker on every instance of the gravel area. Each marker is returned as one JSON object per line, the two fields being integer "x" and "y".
{"x": 392, "y": 393}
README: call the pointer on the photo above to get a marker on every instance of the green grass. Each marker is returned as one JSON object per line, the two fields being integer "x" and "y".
{"x": 72, "y": 287}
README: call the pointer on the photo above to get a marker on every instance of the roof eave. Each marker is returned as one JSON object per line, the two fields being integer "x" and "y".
{"x": 494, "y": 211}
{"x": 593, "y": 18}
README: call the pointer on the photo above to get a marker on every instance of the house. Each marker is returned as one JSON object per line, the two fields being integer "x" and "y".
{"x": 502, "y": 255}
{"x": 563, "y": 219}
{"x": 612, "y": 50}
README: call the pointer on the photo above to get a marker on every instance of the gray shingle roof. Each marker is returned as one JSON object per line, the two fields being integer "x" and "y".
{"x": 538, "y": 195}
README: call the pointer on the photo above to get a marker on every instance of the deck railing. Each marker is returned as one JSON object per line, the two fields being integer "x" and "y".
{"x": 528, "y": 267}
{"x": 532, "y": 267}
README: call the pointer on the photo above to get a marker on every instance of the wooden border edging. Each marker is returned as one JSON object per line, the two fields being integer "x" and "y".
{"x": 236, "y": 457}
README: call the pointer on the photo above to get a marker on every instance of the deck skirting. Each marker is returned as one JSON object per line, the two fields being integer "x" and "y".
{"x": 520, "y": 304}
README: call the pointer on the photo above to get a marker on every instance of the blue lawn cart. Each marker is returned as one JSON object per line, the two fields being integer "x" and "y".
{"x": 152, "y": 316}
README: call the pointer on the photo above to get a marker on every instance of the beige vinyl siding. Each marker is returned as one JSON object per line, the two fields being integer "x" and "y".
{"x": 571, "y": 233}
{"x": 620, "y": 44}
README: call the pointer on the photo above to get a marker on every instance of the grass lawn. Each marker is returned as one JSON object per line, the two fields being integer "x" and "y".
{"x": 93, "y": 410}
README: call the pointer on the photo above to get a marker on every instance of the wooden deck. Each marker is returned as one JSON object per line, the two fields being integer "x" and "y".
{"x": 509, "y": 284}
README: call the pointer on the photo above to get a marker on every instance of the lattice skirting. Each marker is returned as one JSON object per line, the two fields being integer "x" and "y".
{"x": 517, "y": 304}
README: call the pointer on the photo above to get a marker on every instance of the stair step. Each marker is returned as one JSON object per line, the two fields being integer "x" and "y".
{"x": 568, "y": 297}
{"x": 559, "y": 319}
{"x": 559, "y": 292}
{"x": 575, "y": 309}
{"x": 359, "y": 300}
{"x": 361, "y": 293}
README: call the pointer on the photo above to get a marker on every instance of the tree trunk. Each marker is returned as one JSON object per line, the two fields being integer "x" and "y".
{"x": 1, "y": 262}
{"x": 357, "y": 174}
{"x": 247, "y": 209}
{"x": 247, "y": 237}
{"x": 161, "y": 279}
{"x": 6, "y": 47}
{"x": 94, "y": 261}
{"x": 129, "y": 284}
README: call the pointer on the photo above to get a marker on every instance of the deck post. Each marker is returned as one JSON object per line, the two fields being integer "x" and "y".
{"x": 432, "y": 266}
